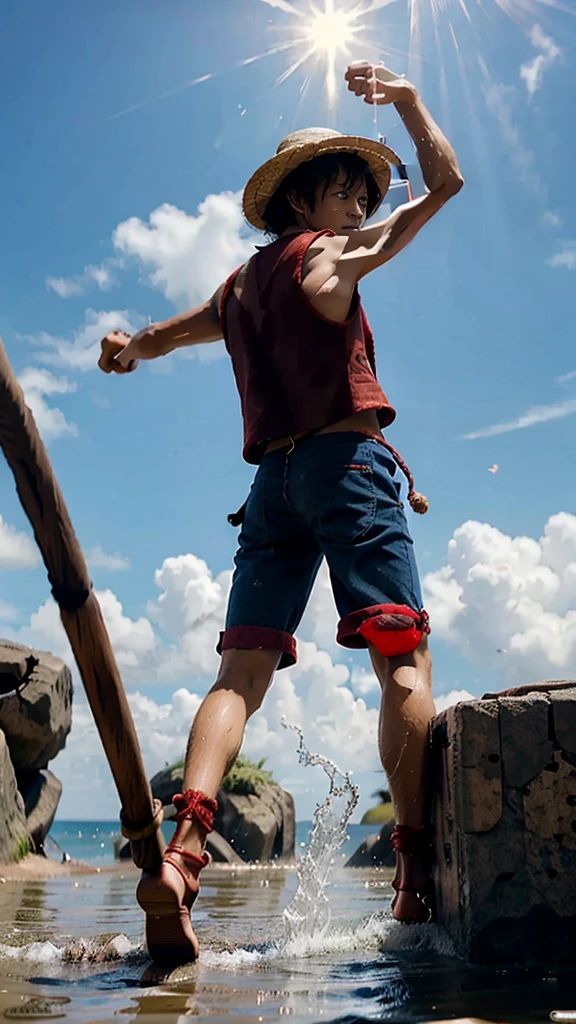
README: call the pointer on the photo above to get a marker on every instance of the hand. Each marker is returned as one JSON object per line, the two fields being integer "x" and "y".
{"x": 377, "y": 84}
{"x": 114, "y": 358}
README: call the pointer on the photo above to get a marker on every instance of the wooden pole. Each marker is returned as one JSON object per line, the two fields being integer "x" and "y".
{"x": 80, "y": 612}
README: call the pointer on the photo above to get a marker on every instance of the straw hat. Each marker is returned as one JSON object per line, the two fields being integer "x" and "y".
{"x": 303, "y": 145}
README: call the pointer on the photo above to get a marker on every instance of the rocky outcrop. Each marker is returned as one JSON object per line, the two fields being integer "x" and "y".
{"x": 376, "y": 851}
{"x": 35, "y": 719}
{"x": 259, "y": 828}
{"x": 41, "y": 792}
{"x": 256, "y": 827}
{"x": 14, "y": 834}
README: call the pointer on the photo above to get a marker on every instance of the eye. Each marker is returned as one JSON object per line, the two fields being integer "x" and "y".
{"x": 363, "y": 201}
{"x": 341, "y": 195}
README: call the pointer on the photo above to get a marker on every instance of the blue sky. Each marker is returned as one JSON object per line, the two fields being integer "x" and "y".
{"x": 473, "y": 325}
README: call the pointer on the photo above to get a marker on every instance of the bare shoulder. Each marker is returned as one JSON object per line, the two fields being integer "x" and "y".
{"x": 329, "y": 292}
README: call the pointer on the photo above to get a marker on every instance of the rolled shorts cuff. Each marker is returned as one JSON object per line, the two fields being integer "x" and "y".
{"x": 400, "y": 617}
{"x": 259, "y": 638}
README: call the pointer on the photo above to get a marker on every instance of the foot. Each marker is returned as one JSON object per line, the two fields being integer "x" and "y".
{"x": 413, "y": 885}
{"x": 166, "y": 899}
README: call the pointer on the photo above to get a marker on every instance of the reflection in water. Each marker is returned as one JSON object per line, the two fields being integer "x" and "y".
{"x": 62, "y": 964}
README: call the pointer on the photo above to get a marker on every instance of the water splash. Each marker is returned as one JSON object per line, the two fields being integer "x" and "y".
{"x": 307, "y": 916}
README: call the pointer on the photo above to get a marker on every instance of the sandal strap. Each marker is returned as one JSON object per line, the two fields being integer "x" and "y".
{"x": 411, "y": 839}
{"x": 189, "y": 858}
{"x": 132, "y": 831}
{"x": 193, "y": 804}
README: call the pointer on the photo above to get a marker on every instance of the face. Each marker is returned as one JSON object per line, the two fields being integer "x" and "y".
{"x": 342, "y": 210}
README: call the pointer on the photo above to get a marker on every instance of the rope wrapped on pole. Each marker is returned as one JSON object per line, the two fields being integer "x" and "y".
{"x": 80, "y": 612}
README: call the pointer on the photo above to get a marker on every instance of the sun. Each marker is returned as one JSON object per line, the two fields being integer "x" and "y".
{"x": 330, "y": 32}
{"x": 321, "y": 32}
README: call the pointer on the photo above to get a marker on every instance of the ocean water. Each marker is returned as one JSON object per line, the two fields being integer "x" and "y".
{"x": 93, "y": 841}
{"x": 72, "y": 949}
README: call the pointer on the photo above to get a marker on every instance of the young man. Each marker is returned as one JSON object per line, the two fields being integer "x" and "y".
{"x": 313, "y": 410}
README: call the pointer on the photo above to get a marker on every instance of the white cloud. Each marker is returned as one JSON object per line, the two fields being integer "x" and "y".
{"x": 162, "y": 732}
{"x": 535, "y": 414}
{"x": 565, "y": 257}
{"x": 134, "y": 642}
{"x": 508, "y": 601}
{"x": 447, "y": 700}
{"x": 96, "y": 558}
{"x": 565, "y": 377}
{"x": 51, "y": 421}
{"x": 532, "y": 73}
{"x": 102, "y": 277}
{"x": 189, "y": 256}
{"x": 551, "y": 219}
{"x": 17, "y": 550}
{"x": 82, "y": 351}
{"x": 500, "y": 100}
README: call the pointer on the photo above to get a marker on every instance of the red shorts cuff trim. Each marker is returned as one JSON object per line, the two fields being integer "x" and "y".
{"x": 400, "y": 617}
{"x": 259, "y": 638}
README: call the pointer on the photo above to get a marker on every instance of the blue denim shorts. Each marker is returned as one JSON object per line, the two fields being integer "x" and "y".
{"x": 335, "y": 496}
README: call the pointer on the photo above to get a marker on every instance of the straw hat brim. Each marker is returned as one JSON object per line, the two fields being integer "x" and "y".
{"x": 270, "y": 175}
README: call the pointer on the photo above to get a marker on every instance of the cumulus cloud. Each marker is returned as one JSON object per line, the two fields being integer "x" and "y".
{"x": 191, "y": 609}
{"x": 508, "y": 601}
{"x": 188, "y": 256}
{"x": 82, "y": 350}
{"x": 162, "y": 731}
{"x": 532, "y": 73}
{"x": 102, "y": 277}
{"x": 565, "y": 257}
{"x": 535, "y": 414}
{"x": 36, "y": 384}
{"x": 17, "y": 550}
{"x": 134, "y": 641}
{"x": 447, "y": 700}
{"x": 96, "y": 558}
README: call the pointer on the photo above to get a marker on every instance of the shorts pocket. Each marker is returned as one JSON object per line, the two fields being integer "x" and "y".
{"x": 254, "y": 532}
{"x": 341, "y": 496}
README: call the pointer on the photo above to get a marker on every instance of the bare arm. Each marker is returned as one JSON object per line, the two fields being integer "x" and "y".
{"x": 121, "y": 354}
{"x": 373, "y": 246}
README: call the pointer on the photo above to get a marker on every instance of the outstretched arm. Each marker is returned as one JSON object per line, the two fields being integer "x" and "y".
{"x": 373, "y": 246}
{"x": 121, "y": 354}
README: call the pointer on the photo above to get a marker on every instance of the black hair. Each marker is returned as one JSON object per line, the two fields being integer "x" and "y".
{"x": 307, "y": 178}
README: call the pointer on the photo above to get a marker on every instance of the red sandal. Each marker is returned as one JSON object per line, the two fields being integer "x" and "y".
{"x": 412, "y": 884}
{"x": 169, "y": 934}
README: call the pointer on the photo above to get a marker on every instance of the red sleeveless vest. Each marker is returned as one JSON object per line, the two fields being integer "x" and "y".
{"x": 295, "y": 370}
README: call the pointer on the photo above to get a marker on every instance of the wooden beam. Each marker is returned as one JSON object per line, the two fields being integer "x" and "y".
{"x": 80, "y": 612}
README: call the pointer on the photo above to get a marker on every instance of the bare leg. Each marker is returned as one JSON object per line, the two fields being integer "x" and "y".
{"x": 406, "y": 711}
{"x": 215, "y": 739}
{"x": 218, "y": 728}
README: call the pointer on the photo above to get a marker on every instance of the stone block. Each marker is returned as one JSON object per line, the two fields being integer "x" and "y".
{"x": 37, "y": 719}
{"x": 504, "y": 816}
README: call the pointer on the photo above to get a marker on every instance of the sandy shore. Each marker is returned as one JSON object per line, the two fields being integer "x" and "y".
{"x": 35, "y": 868}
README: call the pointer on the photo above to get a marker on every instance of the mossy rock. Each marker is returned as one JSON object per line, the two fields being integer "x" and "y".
{"x": 379, "y": 815}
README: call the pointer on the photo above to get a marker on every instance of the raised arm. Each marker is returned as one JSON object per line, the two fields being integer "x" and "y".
{"x": 121, "y": 353}
{"x": 375, "y": 245}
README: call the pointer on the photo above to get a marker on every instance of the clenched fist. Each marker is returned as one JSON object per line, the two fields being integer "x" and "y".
{"x": 115, "y": 358}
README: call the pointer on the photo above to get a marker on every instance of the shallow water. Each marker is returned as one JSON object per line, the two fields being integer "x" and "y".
{"x": 54, "y": 962}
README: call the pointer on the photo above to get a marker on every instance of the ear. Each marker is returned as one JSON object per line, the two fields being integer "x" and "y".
{"x": 296, "y": 202}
